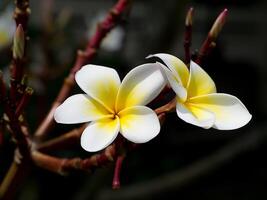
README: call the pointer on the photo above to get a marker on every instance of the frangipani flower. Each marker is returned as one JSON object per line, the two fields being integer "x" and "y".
{"x": 198, "y": 103}
{"x": 113, "y": 106}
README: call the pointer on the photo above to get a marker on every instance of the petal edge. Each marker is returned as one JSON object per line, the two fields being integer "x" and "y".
{"x": 139, "y": 124}
{"x": 99, "y": 134}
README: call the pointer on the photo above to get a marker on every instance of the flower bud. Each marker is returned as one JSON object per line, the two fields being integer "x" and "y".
{"x": 189, "y": 17}
{"x": 218, "y": 24}
{"x": 19, "y": 43}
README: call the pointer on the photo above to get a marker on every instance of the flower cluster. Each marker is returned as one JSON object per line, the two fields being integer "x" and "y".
{"x": 113, "y": 106}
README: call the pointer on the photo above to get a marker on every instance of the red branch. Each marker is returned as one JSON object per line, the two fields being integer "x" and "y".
{"x": 84, "y": 57}
{"x": 188, "y": 35}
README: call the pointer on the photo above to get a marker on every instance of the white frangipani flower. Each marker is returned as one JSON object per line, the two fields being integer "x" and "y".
{"x": 198, "y": 103}
{"x": 113, "y": 106}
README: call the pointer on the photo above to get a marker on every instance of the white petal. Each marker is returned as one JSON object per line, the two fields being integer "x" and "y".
{"x": 195, "y": 115}
{"x": 200, "y": 82}
{"x": 230, "y": 112}
{"x": 174, "y": 83}
{"x": 99, "y": 134}
{"x": 140, "y": 86}
{"x": 178, "y": 68}
{"x": 101, "y": 83}
{"x": 139, "y": 124}
{"x": 79, "y": 108}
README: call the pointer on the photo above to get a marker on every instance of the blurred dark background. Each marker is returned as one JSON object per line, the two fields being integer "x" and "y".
{"x": 183, "y": 162}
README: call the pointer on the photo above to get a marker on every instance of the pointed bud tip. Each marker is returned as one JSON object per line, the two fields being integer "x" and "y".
{"x": 189, "y": 17}
{"x": 19, "y": 34}
{"x": 218, "y": 24}
{"x": 19, "y": 43}
{"x": 20, "y": 27}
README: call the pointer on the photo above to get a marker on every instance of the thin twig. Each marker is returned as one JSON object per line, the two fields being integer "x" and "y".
{"x": 63, "y": 166}
{"x": 188, "y": 34}
{"x": 66, "y": 140}
{"x": 116, "y": 184}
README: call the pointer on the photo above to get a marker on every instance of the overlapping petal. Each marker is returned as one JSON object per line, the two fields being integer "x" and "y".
{"x": 101, "y": 83}
{"x": 174, "y": 83}
{"x": 139, "y": 124}
{"x": 230, "y": 112}
{"x": 195, "y": 115}
{"x": 79, "y": 108}
{"x": 200, "y": 82}
{"x": 140, "y": 86}
{"x": 178, "y": 68}
{"x": 99, "y": 134}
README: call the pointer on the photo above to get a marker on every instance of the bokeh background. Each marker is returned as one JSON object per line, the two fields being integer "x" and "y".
{"x": 183, "y": 162}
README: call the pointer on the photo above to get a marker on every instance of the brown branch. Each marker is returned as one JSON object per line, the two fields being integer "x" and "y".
{"x": 210, "y": 41}
{"x": 83, "y": 57}
{"x": 68, "y": 139}
{"x": 63, "y": 166}
{"x": 188, "y": 34}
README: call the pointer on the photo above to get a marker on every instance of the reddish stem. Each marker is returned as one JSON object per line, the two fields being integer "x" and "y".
{"x": 188, "y": 35}
{"x": 117, "y": 171}
{"x": 24, "y": 101}
{"x": 63, "y": 166}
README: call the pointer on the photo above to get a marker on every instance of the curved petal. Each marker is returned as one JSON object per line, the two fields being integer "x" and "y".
{"x": 99, "y": 134}
{"x": 195, "y": 115}
{"x": 199, "y": 82}
{"x": 175, "y": 85}
{"x": 178, "y": 68}
{"x": 140, "y": 86}
{"x": 139, "y": 124}
{"x": 101, "y": 83}
{"x": 79, "y": 108}
{"x": 230, "y": 112}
